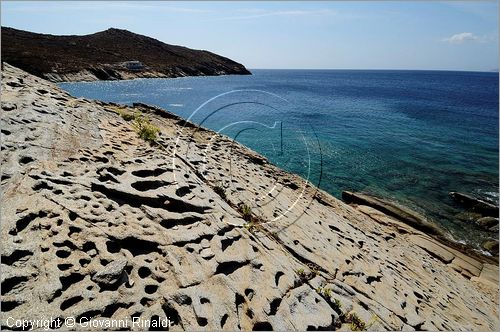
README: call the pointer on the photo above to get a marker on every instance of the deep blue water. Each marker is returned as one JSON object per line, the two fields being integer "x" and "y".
{"x": 411, "y": 136}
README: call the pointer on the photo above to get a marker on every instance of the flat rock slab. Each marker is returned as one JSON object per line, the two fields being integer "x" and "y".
{"x": 433, "y": 248}
{"x": 87, "y": 204}
{"x": 490, "y": 273}
{"x": 402, "y": 213}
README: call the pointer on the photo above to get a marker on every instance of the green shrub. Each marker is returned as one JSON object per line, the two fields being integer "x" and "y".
{"x": 246, "y": 212}
{"x": 327, "y": 292}
{"x": 301, "y": 273}
{"x": 145, "y": 129}
{"x": 337, "y": 306}
{"x": 355, "y": 322}
{"x": 128, "y": 116}
{"x": 250, "y": 226}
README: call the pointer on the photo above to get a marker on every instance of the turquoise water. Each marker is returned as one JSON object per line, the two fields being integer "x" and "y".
{"x": 411, "y": 136}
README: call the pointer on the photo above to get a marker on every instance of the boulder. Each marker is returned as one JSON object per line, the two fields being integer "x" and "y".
{"x": 491, "y": 246}
{"x": 475, "y": 204}
{"x": 468, "y": 216}
{"x": 111, "y": 273}
{"x": 487, "y": 222}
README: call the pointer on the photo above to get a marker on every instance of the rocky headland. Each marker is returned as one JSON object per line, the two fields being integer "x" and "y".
{"x": 112, "y": 211}
{"x": 113, "y": 54}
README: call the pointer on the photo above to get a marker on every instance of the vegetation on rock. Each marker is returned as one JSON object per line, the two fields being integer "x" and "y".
{"x": 219, "y": 190}
{"x": 246, "y": 212}
{"x": 145, "y": 129}
{"x": 356, "y": 323}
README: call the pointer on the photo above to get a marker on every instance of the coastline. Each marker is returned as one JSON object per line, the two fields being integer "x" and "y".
{"x": 107, "y": 55}
{"x": 366, "y": 258}
{"x": 121, "y": 75}
{"x": 391, "y": 179}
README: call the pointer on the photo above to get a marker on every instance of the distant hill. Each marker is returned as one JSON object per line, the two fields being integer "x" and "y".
{"x": 108, "y": 55}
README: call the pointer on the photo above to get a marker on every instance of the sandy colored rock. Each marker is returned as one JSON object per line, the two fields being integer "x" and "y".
{"x": 409, "y": 216}
{"x": 81, "y": 191}
{"x": 111, "y": 273}
{"x": 433, "y": 248}
{"x": 490, "y": 273}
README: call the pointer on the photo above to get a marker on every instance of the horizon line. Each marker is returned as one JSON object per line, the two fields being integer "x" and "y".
{"x": 382, "y": 69}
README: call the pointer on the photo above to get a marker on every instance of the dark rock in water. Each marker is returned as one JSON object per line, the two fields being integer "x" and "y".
{"x": 402, "y": 213}
{"x": 487, "y": 222}
{"x": 475, "y": 204}
{"x": 468, "y": 216}
{"x": 111, "y": 273}
{"x": 491, "y": 246}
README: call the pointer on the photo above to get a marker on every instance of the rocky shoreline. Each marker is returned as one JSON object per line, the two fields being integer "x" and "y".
{"x": 102, "y": 220}
{"x": 113, "y": 54}
{"x": 420, "y": 222}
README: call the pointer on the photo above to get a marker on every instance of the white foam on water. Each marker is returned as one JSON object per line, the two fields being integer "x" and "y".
{"x": 489, "y": 196}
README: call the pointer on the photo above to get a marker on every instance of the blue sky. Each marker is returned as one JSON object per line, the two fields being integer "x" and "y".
{"x": 327, "y": 34}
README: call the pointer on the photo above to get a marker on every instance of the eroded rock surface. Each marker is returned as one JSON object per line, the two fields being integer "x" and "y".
{"x": 98, "y": 223}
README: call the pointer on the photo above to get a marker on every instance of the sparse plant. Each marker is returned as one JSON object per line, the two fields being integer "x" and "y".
{"x": 301, "y": 273}
{"x": 145, "y": 129}
{"x": 122, "y": 111}
{"x": 327, "y": 292}
{"x": 337, "y": 306}
{"x": 355, "y": 322}
{"x": 219, "y": 190}
{"x": 128, "y": 116}
{"x": 246, "y": 212}
{"x": 250, "y": 226}
{"x": 314, "y": 268}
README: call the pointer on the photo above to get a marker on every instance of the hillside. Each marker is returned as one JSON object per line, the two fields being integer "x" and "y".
{"x": 108, "y": 55}
{"x": 99, "y": 224}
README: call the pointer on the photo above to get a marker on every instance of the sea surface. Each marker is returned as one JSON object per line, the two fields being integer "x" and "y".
{"x": 409, "y": 136}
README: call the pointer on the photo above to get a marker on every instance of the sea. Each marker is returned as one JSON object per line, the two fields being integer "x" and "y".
{"x": 407, "y": 136}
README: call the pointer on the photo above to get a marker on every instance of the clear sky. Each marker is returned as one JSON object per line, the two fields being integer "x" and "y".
{"x": 327, "y": 34}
